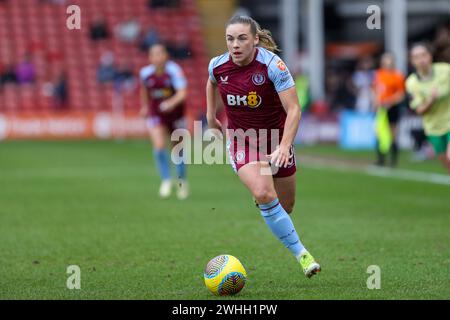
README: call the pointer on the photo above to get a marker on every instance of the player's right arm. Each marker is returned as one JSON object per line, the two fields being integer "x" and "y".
{"x": 419, "y": 102}
{"x": 144, "y": 101}
{"x": 211, "y": 107}
{"x": 424, "y": 107}
{"x": 144, "y": 96}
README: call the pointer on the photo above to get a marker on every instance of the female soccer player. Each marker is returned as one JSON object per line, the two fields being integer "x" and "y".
{"x": 429, "y": 88}
{"x": 389, "y": 92}
{"x": 262, "y": 108}
{"x": 163, "y": 92}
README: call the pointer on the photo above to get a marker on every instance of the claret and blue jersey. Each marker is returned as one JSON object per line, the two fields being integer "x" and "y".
{"x": 250, "y": 92}
{"x": 161, "y": 86}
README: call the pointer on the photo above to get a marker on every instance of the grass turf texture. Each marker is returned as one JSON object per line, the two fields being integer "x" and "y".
{"x": 95, "y": 204}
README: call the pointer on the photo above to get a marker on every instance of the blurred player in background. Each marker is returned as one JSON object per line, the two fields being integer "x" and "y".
{"x": 163, "y": 92}
{"x": 259, "y": 92}
{"x": 389, "y": 93}
{"x": 429, "y": 88}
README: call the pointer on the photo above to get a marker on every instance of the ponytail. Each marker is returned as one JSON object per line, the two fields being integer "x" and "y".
{"x": 265, "y": 36}
{"x": 266, "y": 40}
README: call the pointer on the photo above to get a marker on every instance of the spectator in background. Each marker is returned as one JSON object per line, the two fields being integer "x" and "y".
{"x": 154, "y": 4}
{"x": 25, "y": 71}
{"x": 8, "y": 74}
{"x": 124, "y": 78}
{"x": 389, "y": 94}
{"x": 179, "y": 49}
{"x": 151, "y": 38}
{"x": 57, "y": 91}
{"x": 128, "y": 31}
{"x": 338, "y": 90}
{"x": 99, "y": 29}
{"x": 1, "y": 74}
{"x": 106, "y": 70}
{"x": 60, "y": 92}
{"x": 362, "y": 84}
{"x": 57, "y": 2}
{"x": 442, "y": 45}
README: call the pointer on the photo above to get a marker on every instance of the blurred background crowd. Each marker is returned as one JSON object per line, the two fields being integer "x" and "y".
{"x": 47, "y": 68}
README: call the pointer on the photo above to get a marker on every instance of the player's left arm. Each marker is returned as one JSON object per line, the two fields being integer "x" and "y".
{"x": 281, "y": 156}
{"x": 170, "y": 103}
{"x": 289, "y": 99}
{"x": 285, "y": 86}
{"x": 179, "y": 83}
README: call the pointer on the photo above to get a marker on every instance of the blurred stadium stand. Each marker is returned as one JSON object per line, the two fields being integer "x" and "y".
{"x": 38, "y": 28}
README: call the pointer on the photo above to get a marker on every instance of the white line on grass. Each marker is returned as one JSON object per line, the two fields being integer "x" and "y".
{"x": 321, "y": 164}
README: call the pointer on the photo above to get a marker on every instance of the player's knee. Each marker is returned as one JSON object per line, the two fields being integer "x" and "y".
{"x": 264, "y": 195}
{"x": 159, "y": 144}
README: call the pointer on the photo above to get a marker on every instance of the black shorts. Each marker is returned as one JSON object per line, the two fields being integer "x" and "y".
{"x": 393, "y": 114}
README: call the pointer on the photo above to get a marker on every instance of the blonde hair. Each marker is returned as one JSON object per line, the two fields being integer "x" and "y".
{"x": 265, "y": 36}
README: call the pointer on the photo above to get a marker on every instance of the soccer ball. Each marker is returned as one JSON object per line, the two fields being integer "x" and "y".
{"x": 225, "y": 275}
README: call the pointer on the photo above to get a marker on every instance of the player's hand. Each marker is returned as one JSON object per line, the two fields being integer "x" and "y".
{"x": 280, "y": 157}
{"x": 165, "y": 106}
{"x": 214, "y": 123}
{"x": 434, "y": 94}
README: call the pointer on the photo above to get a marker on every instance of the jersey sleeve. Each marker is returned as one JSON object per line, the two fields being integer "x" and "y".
{"x": 444, "y": 89}
{"x": 211, "y": 70}
{"x": 142, "y": 75}
{"x": 177, "y": 76}
{"x": 145, "y": 73}
{"x": 279, "y": 74}
{"x": 414, "y": 92}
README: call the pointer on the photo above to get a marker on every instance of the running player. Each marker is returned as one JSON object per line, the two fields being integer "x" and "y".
{"x": 163, "y": 92}
{"x": 389, "y": 91}
{"x": 260, "y": 99}
{"x": 429, "y": 88}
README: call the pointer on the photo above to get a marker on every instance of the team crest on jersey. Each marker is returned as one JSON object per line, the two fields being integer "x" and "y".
{"x": 281, "y": 65}
{"x": 292, "y": 159}
{"x": 240, "y": 155}
{"x": 258, "y": 79}
{"x": 150, "y": 82}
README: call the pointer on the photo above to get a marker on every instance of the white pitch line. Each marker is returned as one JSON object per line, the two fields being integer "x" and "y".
{"x": 409, "y": 175}
{"x": 402, "y": 174}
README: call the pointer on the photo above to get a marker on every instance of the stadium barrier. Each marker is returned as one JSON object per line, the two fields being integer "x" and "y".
{"x": 352, "y": 130}
{"x": 96, "y": 125}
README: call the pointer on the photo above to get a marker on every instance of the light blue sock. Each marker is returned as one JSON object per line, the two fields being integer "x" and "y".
{"x": 281, "y": 225}
{"x": 181, "y": 169}
{"x": 162, "y": 162}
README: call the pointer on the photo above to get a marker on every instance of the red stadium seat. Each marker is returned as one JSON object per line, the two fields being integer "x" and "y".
{"x": 35, "y": 28}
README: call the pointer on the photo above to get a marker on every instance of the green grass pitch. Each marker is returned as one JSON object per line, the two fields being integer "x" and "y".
{"x": 95, "y": 205}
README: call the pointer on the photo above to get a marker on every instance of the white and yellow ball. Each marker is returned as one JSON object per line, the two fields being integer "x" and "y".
{"x": 225, "y": 275}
